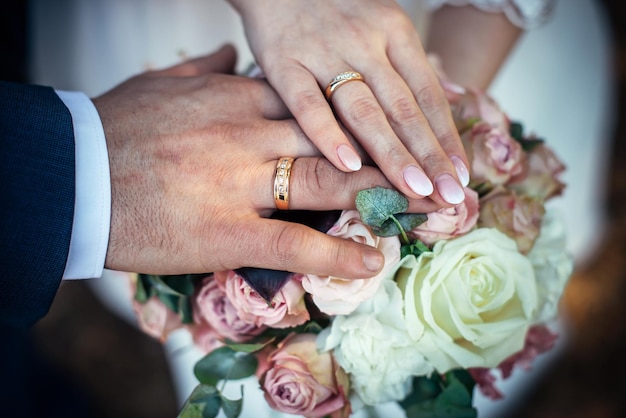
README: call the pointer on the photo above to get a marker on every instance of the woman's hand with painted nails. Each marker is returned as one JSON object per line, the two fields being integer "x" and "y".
{"x": 399, "y": 115}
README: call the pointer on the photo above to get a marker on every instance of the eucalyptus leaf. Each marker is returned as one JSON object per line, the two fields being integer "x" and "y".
{"x": 161, "y": 284}
{"x": 170, "y": 301}
{"x": 186, "y": 310}
{"x": 232, "y": 408}
{"x": 249, "y": 348}
{"x": 204, "y": 402}
{"x": 224, "y": 363}
{"x": 408, "y": 222}
{"x": 378, "y": 204}
{"x": 181, "y": 284}
{"x": 141, "y": 290}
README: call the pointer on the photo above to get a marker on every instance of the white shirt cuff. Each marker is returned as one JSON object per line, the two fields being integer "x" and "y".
{"x": 92, "y": 207}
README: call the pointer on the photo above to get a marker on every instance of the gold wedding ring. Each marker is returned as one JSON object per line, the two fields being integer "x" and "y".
{"x": 281, "y": 182}
{"x": 342, "y": 79}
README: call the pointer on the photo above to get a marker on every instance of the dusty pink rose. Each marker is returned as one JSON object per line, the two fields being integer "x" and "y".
{"x": 478, "y": 106}
{"x": 155, "y": 319}
{"x": 447, "y": 223}
{"x": 517, "y": 216}
{"x": 337, "y": 296}
{"x": 300, "y": 380}
{"x": 286, "y": 310}
{"x": 494, "y": 156}
{"x": 539, "y": 339}
{"x": 204, "y": 337}
{"x": 211, "y": 305}
{"x": 541, "y": 177}
{"x": 486, "y": 382}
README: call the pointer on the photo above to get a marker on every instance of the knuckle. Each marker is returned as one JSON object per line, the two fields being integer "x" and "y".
{"x": 286, "y": 245}
{"x": 308, "y": 101}
{"x": 363, "y": 110}
{"x": 430, "y": 99}
{"x": 320, "y": 179}
{"x": 404, "y": 111}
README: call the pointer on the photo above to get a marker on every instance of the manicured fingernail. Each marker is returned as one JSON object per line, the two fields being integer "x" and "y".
{"x": 418, "y": 181}
{"x": 349, "y": 158}
{"x": 461, "y": 170}
{"x": 373, "y": 260}
{"x": 450, "y": 190}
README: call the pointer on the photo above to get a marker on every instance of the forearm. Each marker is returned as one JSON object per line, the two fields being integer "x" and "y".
{"x": 471, "y": 44}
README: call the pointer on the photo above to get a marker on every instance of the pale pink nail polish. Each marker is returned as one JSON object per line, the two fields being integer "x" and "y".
{"x": 418, "y": 181}
{"x": 450, "y": 190}
{"x": 461, "y": 170}
{"x": 349, "y": 158}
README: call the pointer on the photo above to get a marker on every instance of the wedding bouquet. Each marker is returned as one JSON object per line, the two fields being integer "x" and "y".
{"x": 465, "y": 291}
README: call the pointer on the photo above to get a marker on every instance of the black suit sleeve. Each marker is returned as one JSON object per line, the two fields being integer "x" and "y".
{"x": 37, "y": 189}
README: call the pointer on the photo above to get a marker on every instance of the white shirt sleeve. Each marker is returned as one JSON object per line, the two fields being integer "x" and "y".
{"x": 92, "y": 207}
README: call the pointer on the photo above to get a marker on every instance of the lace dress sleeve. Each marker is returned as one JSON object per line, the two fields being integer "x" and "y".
{"x": 526, "y": 14}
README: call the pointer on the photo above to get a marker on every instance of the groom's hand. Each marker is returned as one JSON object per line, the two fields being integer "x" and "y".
{"x": 192, "y": 155}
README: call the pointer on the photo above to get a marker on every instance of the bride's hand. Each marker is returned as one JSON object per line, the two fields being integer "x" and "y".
{"x": 192, "y": 157}
{"x": 399, "y": 115}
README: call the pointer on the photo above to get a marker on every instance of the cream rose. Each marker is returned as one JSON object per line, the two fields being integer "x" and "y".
{"x": 337, "y": 296}
{"x": 373, "y": 345}
{"x": 469, "y": 302}
{"x": 553, "y": 265}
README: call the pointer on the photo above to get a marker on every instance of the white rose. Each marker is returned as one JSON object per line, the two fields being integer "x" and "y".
{"x": 553, "y": 266}
{"x": 373, "y": 346}
{"x": 469, "y": 302}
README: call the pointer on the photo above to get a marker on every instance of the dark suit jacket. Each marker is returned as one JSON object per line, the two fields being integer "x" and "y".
{"x": 37, "y": 187}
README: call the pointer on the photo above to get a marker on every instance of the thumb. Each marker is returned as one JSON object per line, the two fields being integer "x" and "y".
{"x": 221, "y": 61}
{"x": 280, "y": 245}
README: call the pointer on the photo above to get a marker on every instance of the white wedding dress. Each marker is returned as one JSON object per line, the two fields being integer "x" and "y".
{"x": 557, "y": 82}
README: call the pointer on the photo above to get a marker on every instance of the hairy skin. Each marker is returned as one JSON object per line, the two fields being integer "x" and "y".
{"x": 192, "y": 152}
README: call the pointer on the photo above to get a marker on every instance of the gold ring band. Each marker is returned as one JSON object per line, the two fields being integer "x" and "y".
{"x": 281, "y": 182}
{"x": 341, "y": 79}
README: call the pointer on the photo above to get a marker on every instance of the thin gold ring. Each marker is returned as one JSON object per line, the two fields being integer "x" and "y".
{"x": 342, "y": 79}
{"x": 281, "y": 182}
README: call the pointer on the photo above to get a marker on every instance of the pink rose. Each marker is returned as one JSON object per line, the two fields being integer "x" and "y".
{"x": 211, "y": 305}
{"x": 477, "y": 106}
{"x": 447, "y": 223}
{"x": 519, "y": 217}
{"x": 494, "y": 156}
{"x": 539, "y": 340}
{"x": 286, "y": 310}
{"x": 300, "y": 380}
{"x": 156, "y": 319}
{"x": 541, "y": 178}
{"x": 204, "y": 337}
{"x": 337, "y": 296}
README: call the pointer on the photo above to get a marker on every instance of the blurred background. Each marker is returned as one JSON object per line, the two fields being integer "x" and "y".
{"x": 84, "y": 361}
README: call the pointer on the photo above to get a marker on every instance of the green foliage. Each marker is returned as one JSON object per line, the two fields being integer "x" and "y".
{"x": 416, "y": 248}
{"x": 224, "y": 363}
{"x": 378, "y": 204}
{"x": 528, "y": 143}
{"x": 174, "y": 291}
{"x": 204, "y": 402}
{"x": 449, "y": 396}
{"x": 407, "y": 221}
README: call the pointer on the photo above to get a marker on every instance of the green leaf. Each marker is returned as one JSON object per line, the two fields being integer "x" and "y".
{"x": 249, "y": 348}
{"x": 224, "y": 363}
{"x": 416, "y": 248}
{"x": 181, "y": 284}
{"x": 204, "y": 402}
{"x": 232, "y": 408}
{"x": 408, "y": 221}
{"x": 141, "y": 291}
{"x": 160, "y": 283}
{"x": 185, "y": 310}
{"x": 378, "y": 204}
{"x": 170, "y": 301}
{"x": 437, "y": 398}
